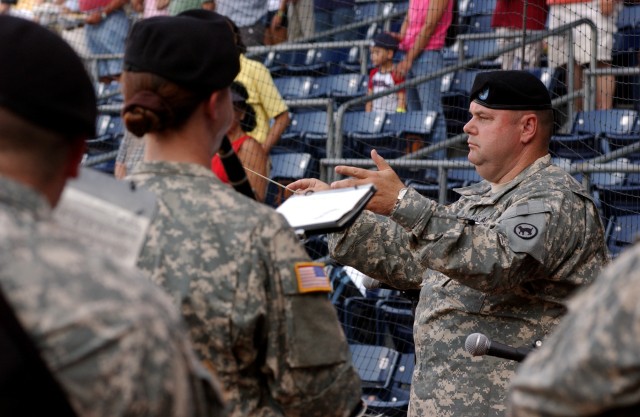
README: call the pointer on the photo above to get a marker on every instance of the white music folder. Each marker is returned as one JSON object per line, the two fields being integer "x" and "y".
{"x": 326, "y": 211}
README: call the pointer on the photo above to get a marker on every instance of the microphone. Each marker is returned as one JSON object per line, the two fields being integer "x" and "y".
{"x": 478, "y": 344}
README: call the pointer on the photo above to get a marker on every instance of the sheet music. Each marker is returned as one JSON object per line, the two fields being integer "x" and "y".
{"x": 325, "y": 209}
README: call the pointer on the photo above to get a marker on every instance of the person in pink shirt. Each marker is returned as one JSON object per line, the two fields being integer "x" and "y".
{"x": 422, "y": 38}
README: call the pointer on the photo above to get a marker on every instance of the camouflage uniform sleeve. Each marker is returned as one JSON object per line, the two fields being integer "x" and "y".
{"x": 590, "y": 363}
{"x": 379, "y": 248}
{"x": 307, "y": 357}
{"x": 533, "y": 236}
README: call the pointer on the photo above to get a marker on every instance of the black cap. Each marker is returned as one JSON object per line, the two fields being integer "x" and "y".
{"x": 510, "y": 90}
{"x": 386, "y": 41}
{"x": 43, "y": 80}
{"x": 195, "y": 49}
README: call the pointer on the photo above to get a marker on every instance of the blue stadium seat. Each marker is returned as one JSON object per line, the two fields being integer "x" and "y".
{"x": 375, "y": 364}
{"x": 617, "y": 200}
{"x": 283, "y": 63}
{"x": 340, "y": 87}
{"x": 599, "y": 122}
{"x": 393, "y": 401}
{"x": 575, "y": 146}
{"x": 353, "y": 61}
{"x": 479, "y": 24}
{"x": 360, "y": 321}
{"x": 396, "y": 316}
{"x": 622, "y": 231}
{"x": 476, "y": 7}
{"x": 455, "y": 99}
{"x": 328, "y": 61}
{"x": 286, "y": 168}
{"x": 359, "y": 128}
{"x": 294, "y": 87}
{"x": 474, "y": 49}
{"x": 307, "y": 132}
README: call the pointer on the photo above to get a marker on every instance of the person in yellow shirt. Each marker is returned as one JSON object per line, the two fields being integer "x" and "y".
{"x": 264, "y": 97}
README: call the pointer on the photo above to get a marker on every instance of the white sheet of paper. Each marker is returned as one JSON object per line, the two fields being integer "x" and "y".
{"x": 322, "y": 207}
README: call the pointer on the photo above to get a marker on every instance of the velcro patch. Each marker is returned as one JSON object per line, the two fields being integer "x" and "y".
{"x": 311, "y": 277}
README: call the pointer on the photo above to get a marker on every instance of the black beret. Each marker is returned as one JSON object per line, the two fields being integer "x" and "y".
{"x": 510, "y": 90}
{"x": 43, "y": 80}
{"x": 195, "y": 49}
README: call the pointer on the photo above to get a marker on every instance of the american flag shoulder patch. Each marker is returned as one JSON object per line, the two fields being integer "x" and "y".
{"x": 311, "y": 277}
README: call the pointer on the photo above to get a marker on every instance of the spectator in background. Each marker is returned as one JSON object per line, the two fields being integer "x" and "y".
{"x": 232, "y": 265}
{"x": 381, "y": 77}
{"x": 150, "y": 8}
{"x": 300, "y": 20}
{"x": 276, "y": 23}
{"x": 248, "y": 15}
{"x": 334, "y": 14}
{"x": 422, "y": 38}
{"x": 114, "y": 343}
{"x": 249, "y": 151}
{"x": 604, "y": 13}
{"x": 107, "y": 25}
{"x": 272, "y": 113}
{"x": 507, "y": 20}
{"x": 500, "y": 261}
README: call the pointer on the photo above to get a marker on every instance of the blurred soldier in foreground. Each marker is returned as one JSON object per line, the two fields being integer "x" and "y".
{"x": 256, "y": 306}
{"x": 500, "y": 261}
{"x": 112, "y": 341}
{"x": 589, "y": 365}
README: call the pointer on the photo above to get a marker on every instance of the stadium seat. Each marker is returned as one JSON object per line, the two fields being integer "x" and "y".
{"x": 599, "y": 122}
{"x": 284, "y": 63}
{"x": 340, "y": 87}
{"x": 617, "y": 200}
{"x": 402, "y": 133}
{"x": 455, "y": 99}
{"x": 393, "y": 401}
{"x": 327, "y": 61}
{"x": 360, "y": 321}
{"x": 396, "y": 317}
{"x": 575, "y": 146}
{"x": 474, "y": 49}
{"x": 362, "y": 130}
{"x": 375, "y": 364}
{"x": 294, "y": 87}
{"x": 286, "y": 168}
{"x": 305, "y": 128}
{"x": 469, "y": 8}
{"x": 622, "y": 231}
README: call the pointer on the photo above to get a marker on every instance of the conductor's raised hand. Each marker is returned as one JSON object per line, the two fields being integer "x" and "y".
{"x": 308, "y": 184}
{"x": 385, "y": 180}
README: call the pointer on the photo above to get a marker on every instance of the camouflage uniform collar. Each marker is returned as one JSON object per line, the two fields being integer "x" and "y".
{"x": 23, "y": 198}
{"x": 172, "y": 168}
{"x": 484, "y": 187}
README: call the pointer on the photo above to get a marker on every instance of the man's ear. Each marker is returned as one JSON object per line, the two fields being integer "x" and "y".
{"x": 74, "y": 157}
{"x": 529, "y": 127}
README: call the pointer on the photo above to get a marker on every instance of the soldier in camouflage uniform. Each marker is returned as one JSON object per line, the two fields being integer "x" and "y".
{"x": 256, "y": 306}
{"x": 111, "y": 340}
{"x": 589, "y": 364}
{"x": 500, "y": 261}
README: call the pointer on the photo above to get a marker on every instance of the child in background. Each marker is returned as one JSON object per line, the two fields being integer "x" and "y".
{"x": 381, "y": 77}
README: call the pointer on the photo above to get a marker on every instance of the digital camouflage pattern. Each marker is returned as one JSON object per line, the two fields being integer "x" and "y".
{"x": 228, "y": 262}
{"x": 498, "y": 262}
{"x": 589, "y": 364}
{"x": 113, "y": 341}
